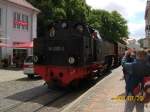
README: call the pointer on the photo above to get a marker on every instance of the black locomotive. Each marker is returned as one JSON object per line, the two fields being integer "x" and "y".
{"x": 71, "y": 51}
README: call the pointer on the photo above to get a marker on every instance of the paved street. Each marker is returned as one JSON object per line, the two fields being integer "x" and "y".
{"x": 8, "y": 75}
{"x": 13, "y": 82}
{"x": 20, "y": 94}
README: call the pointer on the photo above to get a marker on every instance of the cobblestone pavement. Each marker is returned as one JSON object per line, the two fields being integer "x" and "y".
{"x": 7, "y": 75}
{"x": 99, "y": 98}
{"x": 20, "y": 94}
{"x": 15, "y": 87}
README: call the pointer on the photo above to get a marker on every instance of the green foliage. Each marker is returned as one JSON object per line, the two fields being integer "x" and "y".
{"x": 76, "y": 10}
{"x": 112, "y": 25}
{"x": 119, "y": 25}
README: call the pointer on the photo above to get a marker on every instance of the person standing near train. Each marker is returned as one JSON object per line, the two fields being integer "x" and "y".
{"x": 135, "y": 72}
{"x": 129, "y": 57}
{"x": 148, "y": 56}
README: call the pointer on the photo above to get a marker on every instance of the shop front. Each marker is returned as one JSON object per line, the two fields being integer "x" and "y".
{"x": 19, "y": 56}
{"x": 19, "y": 51}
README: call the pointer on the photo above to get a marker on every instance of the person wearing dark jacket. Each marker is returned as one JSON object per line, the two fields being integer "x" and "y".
{"x": 128, "y": 58}
{"x": 148, "y": 57}
{"x": 135, "y": 72}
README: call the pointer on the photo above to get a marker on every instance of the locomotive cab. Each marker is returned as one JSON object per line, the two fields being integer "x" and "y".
{"x": 97, "y": 47}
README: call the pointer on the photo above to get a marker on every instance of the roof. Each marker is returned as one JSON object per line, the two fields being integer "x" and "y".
{"x": 24, "y": 3}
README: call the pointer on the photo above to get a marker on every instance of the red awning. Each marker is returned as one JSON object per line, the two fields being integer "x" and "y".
{"x": 24, "y": 45}
{"x": 19, "y": 45}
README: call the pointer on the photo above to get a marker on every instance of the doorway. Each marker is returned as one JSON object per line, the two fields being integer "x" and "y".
{"x": 19, "y": 56}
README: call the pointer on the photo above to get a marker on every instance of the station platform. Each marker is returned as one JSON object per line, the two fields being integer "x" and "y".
{"x": 102, "y": 96}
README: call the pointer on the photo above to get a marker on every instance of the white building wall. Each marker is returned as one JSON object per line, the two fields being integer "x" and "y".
{"x": 3, "y": 27}
{"x": 34, "y": 25}
{"x": 132, "y": 43}
{"x": 3, "y": 18}
{"x": 146, "y": 41}
{"x": 12, "y": 34}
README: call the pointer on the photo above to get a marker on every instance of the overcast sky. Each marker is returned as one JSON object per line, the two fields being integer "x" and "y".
{"x": 132, "y": 10}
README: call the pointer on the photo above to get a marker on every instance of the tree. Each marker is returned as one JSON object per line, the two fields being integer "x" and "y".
{"x": 94, "y": 19}
{"x": 45, "y": 16}
{"x": 52, "y": 10}
{"x": 120, "y": 26}
{"x": 112, "y": 26}
{"x": 76, "y": 10}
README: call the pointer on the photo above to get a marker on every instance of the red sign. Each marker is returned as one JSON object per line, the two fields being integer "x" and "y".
{"x": 22, "y": 23}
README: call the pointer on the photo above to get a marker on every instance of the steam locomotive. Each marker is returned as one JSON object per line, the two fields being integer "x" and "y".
{"x": 72, "y": 51}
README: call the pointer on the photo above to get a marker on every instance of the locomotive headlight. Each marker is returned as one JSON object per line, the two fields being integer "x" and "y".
{"x": 71, "y": 60}
{"x": 64, "y": 25}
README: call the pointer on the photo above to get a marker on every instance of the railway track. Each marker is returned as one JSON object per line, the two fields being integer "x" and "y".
{"x": 51, "y": 102}
{"x": 37, "y": 102}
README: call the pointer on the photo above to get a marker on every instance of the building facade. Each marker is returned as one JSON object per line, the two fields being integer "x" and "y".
{"x": 146, "y": 40}
{"x": 146, "y": 43}
{"x": 133, "y": 44}
{"x": 147, "y": 19}
{"x": 18, "y": 25}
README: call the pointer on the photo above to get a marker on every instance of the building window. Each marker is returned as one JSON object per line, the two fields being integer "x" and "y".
{"x": 15, "y": 20}
{"x": 25, "y": 22}
{"x": 18, "y": 21}
{"x": 21, "y": 21}
{"x": 0, "y": 16}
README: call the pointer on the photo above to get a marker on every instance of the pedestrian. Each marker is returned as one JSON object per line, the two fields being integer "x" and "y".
{"x": 135, "y": 73}
{"x": 148, "y": 56}
{"x": 129, "y": 57}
